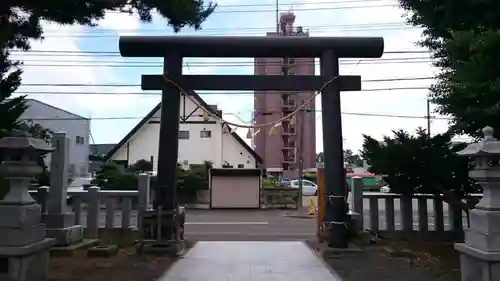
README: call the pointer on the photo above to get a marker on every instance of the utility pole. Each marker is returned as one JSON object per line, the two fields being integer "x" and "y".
{"x": 277, "y": 17}
{"x": 428, "y": 117}
{"x": 299, "y": 153}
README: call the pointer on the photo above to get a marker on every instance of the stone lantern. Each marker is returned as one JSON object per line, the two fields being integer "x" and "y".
{"x": 23, "y": 245}
{"x": 480, "y": 253}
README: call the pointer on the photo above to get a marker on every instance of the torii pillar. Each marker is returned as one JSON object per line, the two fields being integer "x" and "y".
{"x": 329, "y": 49}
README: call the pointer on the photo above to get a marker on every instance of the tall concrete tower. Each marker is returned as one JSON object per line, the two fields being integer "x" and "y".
{"x": 280, "y": 152}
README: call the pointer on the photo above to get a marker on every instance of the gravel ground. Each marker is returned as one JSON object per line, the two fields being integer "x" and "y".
{"x": 125, "y": 266}
{"x": 399, "y": 261}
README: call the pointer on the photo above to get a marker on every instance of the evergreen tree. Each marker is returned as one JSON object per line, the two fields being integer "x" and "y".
{"x": 21, "y": 21}
{"x": 464, "y": 38}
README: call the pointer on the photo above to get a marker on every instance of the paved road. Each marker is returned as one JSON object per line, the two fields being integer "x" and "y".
{"x": 258, "y": 225}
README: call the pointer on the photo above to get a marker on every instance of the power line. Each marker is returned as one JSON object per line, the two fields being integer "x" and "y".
{"x": 114, "y": 35}
{"x": 202, "y": 93}
{"x": 138, "y": 85}
{"x": 298, "y": 3}
{"x": 366, "y": 114}
{"x": 212, "y": 65}
{"x": 239, "y": 29}
{"x": 116, "y": 53}
{"x": 295, "y": 10}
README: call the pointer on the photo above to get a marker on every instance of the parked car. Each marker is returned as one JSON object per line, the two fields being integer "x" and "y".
{"x": 385, "y": 189}
{"x": 309, "y": 188}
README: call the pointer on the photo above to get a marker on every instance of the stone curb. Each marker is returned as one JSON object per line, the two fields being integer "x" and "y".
{"x": 300, "y": 216}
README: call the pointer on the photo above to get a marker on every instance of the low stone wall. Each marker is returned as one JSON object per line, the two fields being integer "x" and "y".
{"x": 279, "y": 197}
{"x": 275, "y": 197}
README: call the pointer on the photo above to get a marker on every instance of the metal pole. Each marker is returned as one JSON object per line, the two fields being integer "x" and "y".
{"x": 277, "y": 18}
{"x": 300, "y": 160}
{"x": 336, "y": 209}
{"x": 428, "y": 118}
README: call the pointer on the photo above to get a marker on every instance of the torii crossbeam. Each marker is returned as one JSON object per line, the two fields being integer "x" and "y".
{"x": 329, "y": 49}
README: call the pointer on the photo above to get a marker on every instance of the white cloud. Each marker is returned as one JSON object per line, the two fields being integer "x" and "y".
{"x": 321, "y": 22}
{"x": 61, "y": 38}
{"x": 121, "y": 23}
{"x": 68, "y": 72}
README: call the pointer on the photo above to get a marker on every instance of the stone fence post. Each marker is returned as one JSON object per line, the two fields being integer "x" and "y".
{"x": 357, "y": 200}
{"x": 144, "y": 196}
{"x": 480, "y": 254}
{"x": 93, "y": 209}
{"x": 60, "y": 221}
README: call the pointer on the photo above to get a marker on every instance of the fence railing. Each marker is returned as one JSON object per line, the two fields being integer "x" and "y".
{"x": 95, "y": 208}
{"x": 385, "y": 213}
{"x": 424, "y": 214}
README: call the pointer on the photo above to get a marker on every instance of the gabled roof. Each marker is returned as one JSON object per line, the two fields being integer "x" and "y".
{"x": 101, "y": 149}
{"x": 202, "y": 103}
{"x": 28, "y": 100}
{"x": 247, "y": 147}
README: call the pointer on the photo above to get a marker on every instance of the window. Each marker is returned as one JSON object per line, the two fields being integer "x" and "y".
{"x": 205, "y": 134}
{"x": 307, "y": 183}
{"x": 80, "y": 140}
{"x": 183, "y": 135}
{"x": 241, "y": 166}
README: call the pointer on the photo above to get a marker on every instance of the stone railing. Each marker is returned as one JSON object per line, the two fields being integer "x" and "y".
{"x": 109, "y": 209}
{"x": 424, "y": 214}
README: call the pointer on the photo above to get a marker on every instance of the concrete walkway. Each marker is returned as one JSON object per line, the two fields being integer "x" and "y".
{"x": 249, "y": 261}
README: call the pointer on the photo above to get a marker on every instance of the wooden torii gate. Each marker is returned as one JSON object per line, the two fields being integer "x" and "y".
{"x": 329, "y": 49}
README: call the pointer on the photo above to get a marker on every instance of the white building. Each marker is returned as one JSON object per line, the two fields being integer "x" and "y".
{"x": 199, "y": 140}
{"x": 75, "y": 126}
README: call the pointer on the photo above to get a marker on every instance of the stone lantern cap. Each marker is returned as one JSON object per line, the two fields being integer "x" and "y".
{"x": 488, "y": 146}
{"x": 21, "y": 140}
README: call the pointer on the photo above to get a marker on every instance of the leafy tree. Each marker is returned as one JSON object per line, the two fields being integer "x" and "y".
{"x": 464, "y": 38}
{"x": 21, "y": 21}
{"x": 112, "y": 176}
{"x": 193, "y": 180}
{"x": 141, "y": 166}
{"x": 37, "y": 131}
{"x": 352, "y": 159}
{"x": 319, "y": 157}
{"x": 349, "y": 158}
{"x": 419, "y": 164}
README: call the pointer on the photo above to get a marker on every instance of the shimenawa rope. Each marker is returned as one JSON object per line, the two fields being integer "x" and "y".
{"x": 247, "y": 126}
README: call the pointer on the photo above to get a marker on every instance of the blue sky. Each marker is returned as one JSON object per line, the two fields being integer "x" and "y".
{"x": 233, "y": 17}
